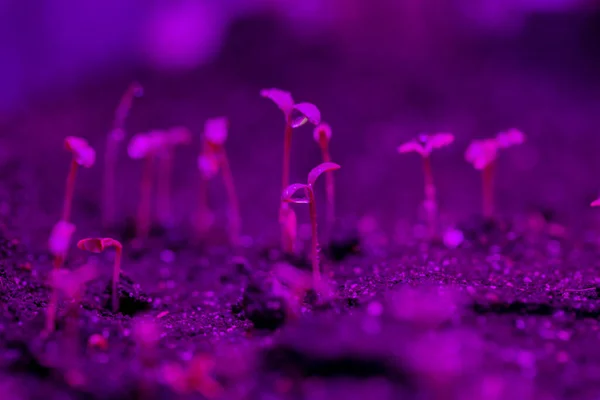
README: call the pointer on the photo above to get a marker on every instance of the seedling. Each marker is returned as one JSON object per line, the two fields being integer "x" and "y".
{"x": 295, "y": 116}
{"x": 72, "y": 285}
{"x": 308, "y": 197}
{"x": 59, "y": 241}
{"x": 424, "y": 145}
{"x": 58, "y": 244}
{"x": 322, "y": 135}
{"x": 595, "y": 203}
{"x": 116, "y": 136}
{"x": 83, "y": 155}
{"x": 482, "y": 154}
{"x": 98, "y": 245}
{"x": 212, "y": 160}
{"x": 145, "y": 146}
{"x": 174, "y": 137}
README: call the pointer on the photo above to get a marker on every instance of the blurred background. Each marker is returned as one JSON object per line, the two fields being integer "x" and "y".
{"x": 381, "y": 71}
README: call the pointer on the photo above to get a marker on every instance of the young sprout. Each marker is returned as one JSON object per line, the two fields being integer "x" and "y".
{"x": 174, "y": 137}
{"x": 83, "y": 155}
{"x": 116, "y": 136}
{"x": 98, "y": 245}
{"x": 424, "y": 145}
{"x": 212, "y": 160}
{"x": 595, "y": 203}
{"x": 482, "y": 154}
{"x": 308, "y": 197}
{"x": 295, "y": 116}
{"x": 322, "y": 135}
{"x": 59, "y": 241}
{"x": 145, "y": 146}
{"x": 72, "y": 285}
{"x": 58, "y": 244}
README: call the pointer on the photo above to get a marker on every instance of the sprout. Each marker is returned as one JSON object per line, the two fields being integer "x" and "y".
{"x": 83, "y": 155}
{"x": 307, "y": 196}
{"x": 145, "y": 146}
{"x": 116, "y": 136}
{"x": 178, "y": 136}
{"x": 295, "y": 115}
{"x": 595, "y": 203}
{"x": 72, "y": 285}
{"x": 59, "y": 241}
{"x": 482, "y": 154}
{"x": 212, "y": 160}
{"x": 98, "y": 245}
{"x": 322, "y": 135}
{"x": 424, "y": 145}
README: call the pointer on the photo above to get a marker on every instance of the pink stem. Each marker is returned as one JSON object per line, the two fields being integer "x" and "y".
{"x": 329, "y": 188}
{"x": 110, "y": 161}
{"x": 235, "y": 222}
{"x": 430, "y": 201}
{"x": 69, "y": 191}
{"x": 488, "y": 190}
{"x": 115, "y": 280}
{"x": 315, "y": 239}
{"x": 143, "y": 222}
{"x": 202, "y": 213}
{"x": 287, "y": 148}
{"x": 164, "y": 187}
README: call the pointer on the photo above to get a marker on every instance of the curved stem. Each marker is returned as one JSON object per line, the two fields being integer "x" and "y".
{"x": 235, "y": 222}
{"x": 70, "y": 188}
{"x": 329, "y": 190}
{"x": 115, "y": 280}
{"x": 315, "y": 239}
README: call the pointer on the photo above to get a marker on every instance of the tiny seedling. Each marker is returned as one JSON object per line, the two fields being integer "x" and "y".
{"x": 212, "y": 160}
{"x": 59, "y": 241}
{"x": 295, "y": 116}
{"x": 595, "y": 203}
{"x": 308, "y": 197}
{"x": 145, "y": 146}
{"x": 83, "y": 155}
{"x": 197, "y": 376}
{"x": 424, "y": 145}
{"x": 114, "y": 138}
{"x": 58, "y": 244}
{"x": 174, "y": 137}
{"x": 98, "y": 245}
{"x": 482, "y": 154}
{"x": 322, "y": 135}
{"x": 72, "y": 285}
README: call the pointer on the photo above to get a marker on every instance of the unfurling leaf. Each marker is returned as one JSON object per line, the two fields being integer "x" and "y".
{"x": 319, "y": 169}
{"x": 289, "y": 193}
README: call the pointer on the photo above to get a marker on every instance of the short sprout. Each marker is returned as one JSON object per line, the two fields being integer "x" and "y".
{"x": 425, "y": 144}
{"x": 60, "y": 237}
{"x": 482, "y": 153}
{"x": 511, "y": 137}
{"x": 83, "y": 153}
{"x": 215, "y": 130}
{"x": 145, "y": 144}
